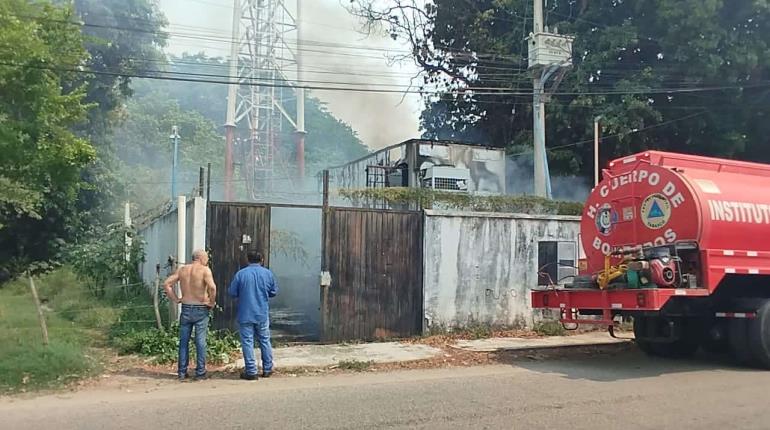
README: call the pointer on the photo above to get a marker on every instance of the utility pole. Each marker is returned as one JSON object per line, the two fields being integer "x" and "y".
{"x": 232, "y": 100}
{"x": 538, "y": 110}
{"x": 549, "y": 54}
{"x": 300, "y": 91}
{"x": 175, "y": 140}
{"x": 596, "y": 150}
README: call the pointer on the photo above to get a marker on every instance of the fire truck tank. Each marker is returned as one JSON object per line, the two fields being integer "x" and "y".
{"x": 657, "y": 198}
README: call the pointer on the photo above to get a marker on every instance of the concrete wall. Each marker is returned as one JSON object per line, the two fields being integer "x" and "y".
{"x": 160, "y": 238}
{"x": 480, "y": 267}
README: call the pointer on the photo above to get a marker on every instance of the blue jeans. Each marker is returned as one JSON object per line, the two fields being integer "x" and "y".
{"x": 193, "y": 316}
{"x": 262, "y": 332}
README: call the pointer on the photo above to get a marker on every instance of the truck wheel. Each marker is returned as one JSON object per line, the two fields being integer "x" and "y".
{"x": 715, "y": 337}
{"x": 640, "y": 329}
{"x": 685, "y": 346}
{"x": 759, "y": 336}
{"x": 680, "y": 348}
{"x": 738, "y": 337}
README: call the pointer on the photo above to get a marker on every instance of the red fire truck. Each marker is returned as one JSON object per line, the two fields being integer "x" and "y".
{"x": 681, "y": 243}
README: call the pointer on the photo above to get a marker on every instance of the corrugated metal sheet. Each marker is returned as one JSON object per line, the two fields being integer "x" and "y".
{"x": 375, "y": 261}
{"x": 227, "y": 225}
{"x": 480, "y": 267}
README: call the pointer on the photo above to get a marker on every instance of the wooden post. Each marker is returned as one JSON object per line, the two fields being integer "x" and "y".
{"x": 127, "y": 243}
{"x": 201, "y": 175}
{"x": 324, "y": 255}
{"x": 173, "y": 308}
{"x": 40, "y": 315}
{"x": 208, "y": 183}
{"x": 155, "y": 302}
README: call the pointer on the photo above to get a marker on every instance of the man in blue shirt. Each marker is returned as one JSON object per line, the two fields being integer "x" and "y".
{"x": 253, "y": 286}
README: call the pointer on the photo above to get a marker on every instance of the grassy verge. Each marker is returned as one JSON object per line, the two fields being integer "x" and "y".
{"x": 355, "y": 365}
{"x": 25, "y": 363}
{"x": 80, "y": 325}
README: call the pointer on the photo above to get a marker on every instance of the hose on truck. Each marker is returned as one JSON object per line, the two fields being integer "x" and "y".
{"x": 610, "y": 273}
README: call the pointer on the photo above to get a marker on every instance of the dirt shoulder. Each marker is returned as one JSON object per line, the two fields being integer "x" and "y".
{"x": 138, "y": 374}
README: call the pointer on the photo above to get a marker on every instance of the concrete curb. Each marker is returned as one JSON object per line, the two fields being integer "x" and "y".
{"x": 518, "y": 344}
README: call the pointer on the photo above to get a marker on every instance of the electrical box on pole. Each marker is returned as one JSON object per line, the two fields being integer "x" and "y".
{"x": 550, "y": 55}
{"x": 548, "y": 49}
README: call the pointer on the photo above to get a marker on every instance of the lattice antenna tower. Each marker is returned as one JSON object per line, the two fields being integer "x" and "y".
{"x": 262, "y": 59}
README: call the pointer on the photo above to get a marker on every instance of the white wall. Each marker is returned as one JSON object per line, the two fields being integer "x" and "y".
{"x": 160, "y": 238}
{"x": 480, "y": 267}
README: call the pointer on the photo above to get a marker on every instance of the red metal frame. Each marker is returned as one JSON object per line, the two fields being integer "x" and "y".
{"x": 608, "y": 301}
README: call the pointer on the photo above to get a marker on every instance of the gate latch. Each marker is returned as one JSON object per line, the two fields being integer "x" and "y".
{"x": 326, "y": 279}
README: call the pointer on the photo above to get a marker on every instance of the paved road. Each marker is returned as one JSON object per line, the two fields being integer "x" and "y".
{"x": 623, "y": 391}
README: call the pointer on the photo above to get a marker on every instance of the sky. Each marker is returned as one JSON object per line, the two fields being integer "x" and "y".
{"x": 337, "y": 51}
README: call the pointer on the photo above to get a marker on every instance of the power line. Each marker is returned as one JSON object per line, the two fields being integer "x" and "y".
{"x": 468, "y": 90}
{"x": 298, "y": 44}
{"x": 662, "y": 124}
{"x": 477, "y": 67}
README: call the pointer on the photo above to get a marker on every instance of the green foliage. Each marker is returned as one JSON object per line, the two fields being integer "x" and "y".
{"x": 25, "y": 366}
{"x": 124, "y": 38}
{"x": 635, "y": 64}
{"x": 25, "y": 363}
{"x": 478, "y": 330}
{"x": 329, "y": 141}
{"x": 145, "y": 151}
{"x": 355, "y": 365}
{"x": 42, "y": 159}
{"x": 100, "y": 260}
{"x": 432, "y": 199}
{"x": 550, "y": 328}
{"x": 163, "y": 346}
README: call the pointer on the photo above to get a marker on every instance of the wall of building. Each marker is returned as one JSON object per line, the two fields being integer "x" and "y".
{"x": 480, "y": 267}
{"x": 353, "y": 175}
{"x": 160, "y": 238}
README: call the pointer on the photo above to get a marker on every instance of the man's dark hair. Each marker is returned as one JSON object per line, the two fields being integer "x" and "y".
{"x": 254, "y": 256}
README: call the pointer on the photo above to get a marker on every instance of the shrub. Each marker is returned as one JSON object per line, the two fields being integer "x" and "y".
{"x": 432, "y": 199}
{"x": 355, "y": 365}
{"x": 163, "y": 346}
{"x": 550, "y": 328}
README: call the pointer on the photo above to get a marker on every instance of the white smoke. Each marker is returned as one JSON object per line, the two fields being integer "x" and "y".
{"x": 380, "y": 119}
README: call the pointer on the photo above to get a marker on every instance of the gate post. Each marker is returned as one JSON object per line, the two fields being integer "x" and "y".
{"x": 324, "y": 257}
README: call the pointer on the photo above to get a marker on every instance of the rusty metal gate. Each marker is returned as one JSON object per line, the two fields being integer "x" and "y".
{"x": 232, "y": 229}
{"x": 374, "y": 259}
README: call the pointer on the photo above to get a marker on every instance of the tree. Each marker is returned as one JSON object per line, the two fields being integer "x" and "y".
{"x": 124, "y": 39}
{"x": 329, "y": 141}
{"x": 42, "y": 158}
{"x": 144, "y": 150}
{"x": 681, "y": 75}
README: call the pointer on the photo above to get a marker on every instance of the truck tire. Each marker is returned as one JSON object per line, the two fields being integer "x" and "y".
{"x": 715, "y": 337}
{"x": 640, "y": 327}
{"x": 738, "y": 337}
{"x": 682, "y": 347}
{"x": 759, "y": 336}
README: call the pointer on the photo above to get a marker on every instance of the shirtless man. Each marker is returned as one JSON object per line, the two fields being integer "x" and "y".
{"x": 198, "y": 297}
